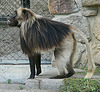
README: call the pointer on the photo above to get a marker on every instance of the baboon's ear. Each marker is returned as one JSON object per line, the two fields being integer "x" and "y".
{"x": 26, "y": 14}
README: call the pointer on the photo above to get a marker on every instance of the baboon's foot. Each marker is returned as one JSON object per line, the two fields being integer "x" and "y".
{"x": 69, "y": 75}
{"x": 31, "y": 76}
{"x": 38, "y": 72}
{"x": 62, "y": 76}
{"x": 58, "y": 77}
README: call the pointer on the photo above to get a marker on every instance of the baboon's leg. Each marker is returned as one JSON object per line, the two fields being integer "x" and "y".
{"x": 62, "y": 58}
{"x": 70, "y": 65}
{"x": 70, "y": 70}
{"x": 32, "y": 67}
{"x": 38, "y": 63}
{"x": 36, "y": 59}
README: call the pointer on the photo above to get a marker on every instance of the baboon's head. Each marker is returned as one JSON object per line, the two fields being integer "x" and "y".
{"x": 20, "y": 15}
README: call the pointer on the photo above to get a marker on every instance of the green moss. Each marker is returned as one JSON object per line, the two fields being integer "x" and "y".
{"x": 80, "y": 85}
{"x": 9, "y": 81}
{"x": 21, "y": 87}
{"x": 97, "y": 71}
{"x": 83, "y": 73}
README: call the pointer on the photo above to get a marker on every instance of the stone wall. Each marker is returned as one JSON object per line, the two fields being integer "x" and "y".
{"x": 84, "y": 15}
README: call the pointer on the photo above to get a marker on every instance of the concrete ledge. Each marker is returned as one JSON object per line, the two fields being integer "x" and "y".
{"x": 35, "y": 90}
{"x": 44, "y": 84}
{"x": 20, "y": 73}
{"x": 51, "y": 84}
{"x": 32, "y": 84}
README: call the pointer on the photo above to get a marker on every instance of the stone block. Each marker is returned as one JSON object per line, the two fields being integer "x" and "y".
{"x": 44, "y": 84}
{"x": 97, "y": 28}
{"x": 32, "y": 84}
{"x": 96, "y": 45}
{"x": 79, "y": 4}
{"x": 90, "y": 2}
{"x": 87, "y": 12}
{"x": 61, "y": 6}
{"x": 51, "y": 84}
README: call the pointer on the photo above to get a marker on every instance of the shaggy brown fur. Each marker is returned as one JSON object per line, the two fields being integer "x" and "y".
{"x": 39, "y": 34}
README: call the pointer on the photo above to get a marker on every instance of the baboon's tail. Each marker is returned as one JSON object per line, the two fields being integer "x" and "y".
{"x": 91, "y": 65}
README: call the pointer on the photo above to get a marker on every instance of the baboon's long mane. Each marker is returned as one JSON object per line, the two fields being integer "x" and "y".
{"x": 43, "y": 34}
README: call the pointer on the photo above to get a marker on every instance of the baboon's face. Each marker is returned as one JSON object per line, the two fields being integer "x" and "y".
{"x": 20, "y": 15}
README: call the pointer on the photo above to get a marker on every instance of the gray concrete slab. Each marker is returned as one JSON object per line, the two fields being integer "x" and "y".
{"x": 16, "y": 88}
{"x": 18, "y": 73}
{"x": 41, "y": 83}
{"x": 35, "y": 90}
{"x": 44, "y": 84}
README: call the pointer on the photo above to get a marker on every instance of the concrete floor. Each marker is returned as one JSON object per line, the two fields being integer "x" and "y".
{"x": 19, "y": 74}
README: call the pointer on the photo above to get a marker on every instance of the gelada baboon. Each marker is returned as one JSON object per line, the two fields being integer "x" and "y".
{"x": 39, "y": 35}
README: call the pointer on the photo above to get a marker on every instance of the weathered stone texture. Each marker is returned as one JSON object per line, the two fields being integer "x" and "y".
{"x": 78, "y": 4}
{"x": 96, "y": 32}
{"x": 88, "y": 12}
{"x": 97, "y": 28}
{"x": 61, "y": 6}
{"x": 90, "y": 2}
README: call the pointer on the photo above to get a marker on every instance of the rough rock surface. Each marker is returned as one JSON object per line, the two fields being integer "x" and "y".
{"x": 97, "y": 28}
{"x": 89, "y": 12}
{"x": 96, "y": 45}
{"x": 61, "y": 6}
{"x": 90, "y": 2}
{"x": 78, "y": 4}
